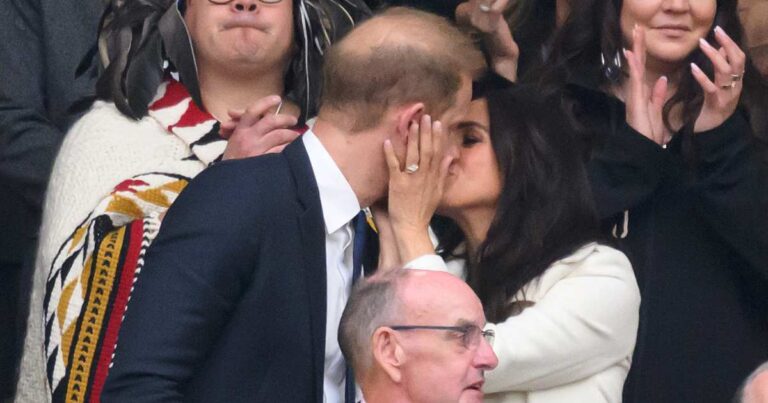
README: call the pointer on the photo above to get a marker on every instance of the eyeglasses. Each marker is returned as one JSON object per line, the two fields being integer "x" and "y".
{"x": 470, "y": 334}
{"x": 224, "y": 2}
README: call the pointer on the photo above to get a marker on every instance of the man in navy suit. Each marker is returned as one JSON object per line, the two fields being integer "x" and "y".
{"x": 241, "y": 293}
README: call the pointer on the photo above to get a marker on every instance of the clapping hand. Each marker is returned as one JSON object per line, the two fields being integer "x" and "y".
{"x": 721, "y": 95}
{"x": 644, "y": 105}
{"x": 257, "y": 130}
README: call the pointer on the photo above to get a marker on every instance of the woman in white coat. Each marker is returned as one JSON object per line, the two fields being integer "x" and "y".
{"x": 563, "y": 305}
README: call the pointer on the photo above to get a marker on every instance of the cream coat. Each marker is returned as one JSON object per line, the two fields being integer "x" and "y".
{"x": 575, "y": 344}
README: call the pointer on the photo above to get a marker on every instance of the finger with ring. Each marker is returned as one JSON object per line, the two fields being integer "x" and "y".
{"x": 729, "y": 86}
{"x": 411, "y": 169}
{"x": 737, "y": 77}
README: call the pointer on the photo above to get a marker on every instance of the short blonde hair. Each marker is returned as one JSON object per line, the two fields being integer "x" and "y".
{"x": 413, "y": 56}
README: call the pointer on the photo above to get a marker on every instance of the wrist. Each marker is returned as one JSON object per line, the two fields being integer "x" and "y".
{"x": 412, "y": 244}
{"x": 408, "y": 227}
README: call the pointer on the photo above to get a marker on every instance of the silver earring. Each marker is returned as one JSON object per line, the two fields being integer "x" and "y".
{"x": 611, "y": 68}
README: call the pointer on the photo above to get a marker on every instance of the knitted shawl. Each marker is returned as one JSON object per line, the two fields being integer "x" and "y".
{"x": 91, "y": 278}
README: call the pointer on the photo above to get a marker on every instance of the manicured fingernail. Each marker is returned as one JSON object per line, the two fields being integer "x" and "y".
{"x": 275, "y": 98}
{"x": 719, "y": 30}
{"x": 664, "y": 78}
{"x": 437, "y": 124}
{"x": 703, "y": 42}
{"x": 695, "y": 67}
{"x": 624, "y": 51}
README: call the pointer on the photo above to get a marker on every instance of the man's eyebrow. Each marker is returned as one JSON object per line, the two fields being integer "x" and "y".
{"x": 461, "y": 322}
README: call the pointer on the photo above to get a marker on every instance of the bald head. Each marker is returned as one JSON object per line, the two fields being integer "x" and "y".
{"x": 755, "y": 389}
{"x": 416, "y": 336}
{"x": 399, "y": 56}
{"x": 430, "y": 294}
{"x": 401, "y": 26}
{"x": 402, "y": 296}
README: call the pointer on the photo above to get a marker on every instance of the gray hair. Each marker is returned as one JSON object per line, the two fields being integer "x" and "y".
{"x": 373, "y": 304}
{"x": 740, "y": 398}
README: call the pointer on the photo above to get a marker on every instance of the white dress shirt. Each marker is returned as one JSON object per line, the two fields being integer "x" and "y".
{"x": 340, "y": 206}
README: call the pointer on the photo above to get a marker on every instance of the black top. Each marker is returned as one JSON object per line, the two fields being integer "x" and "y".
{"x": 696, "y": 232}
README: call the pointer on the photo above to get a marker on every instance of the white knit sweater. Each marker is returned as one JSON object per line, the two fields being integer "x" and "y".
{"x": 103, "y": 149}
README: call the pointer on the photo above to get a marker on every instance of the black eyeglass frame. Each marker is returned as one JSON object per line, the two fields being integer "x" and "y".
{"x": 465, "y": 330}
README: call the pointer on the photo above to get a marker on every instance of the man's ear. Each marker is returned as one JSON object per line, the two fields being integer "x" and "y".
{"x": 410, "y": 113}
{"x": 387, "y": 353}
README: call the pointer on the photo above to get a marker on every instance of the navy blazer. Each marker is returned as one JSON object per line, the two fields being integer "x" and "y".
{"x": 230, "y": 305}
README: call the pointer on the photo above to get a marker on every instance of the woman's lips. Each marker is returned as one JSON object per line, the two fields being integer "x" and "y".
{"x": 672, "y": 31}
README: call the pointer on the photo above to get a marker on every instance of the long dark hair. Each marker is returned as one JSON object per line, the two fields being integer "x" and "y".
{"x": 593, "y": 29}
{"x": 545, "y": 210}
{"x": 141, "y": 41}
{"x": 534, "y": 23}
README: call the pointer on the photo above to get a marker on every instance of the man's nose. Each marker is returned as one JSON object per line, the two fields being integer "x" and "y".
{"x": 486, "y": 358}
{"x": 244, "y": 5}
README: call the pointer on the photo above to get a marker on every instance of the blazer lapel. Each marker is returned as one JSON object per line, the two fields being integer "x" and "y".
{"x": 313, "y": 253}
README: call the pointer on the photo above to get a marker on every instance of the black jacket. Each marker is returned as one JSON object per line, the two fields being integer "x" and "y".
{"x": 41, "y": 44}
{"x": 231, "y": 303}
{"x": 697, "y": 235}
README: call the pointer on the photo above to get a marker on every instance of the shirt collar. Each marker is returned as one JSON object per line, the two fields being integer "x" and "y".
{"x": 337, "y": 199}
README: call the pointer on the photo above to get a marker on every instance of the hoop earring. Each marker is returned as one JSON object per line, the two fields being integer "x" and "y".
{"x": 612, "y": 68}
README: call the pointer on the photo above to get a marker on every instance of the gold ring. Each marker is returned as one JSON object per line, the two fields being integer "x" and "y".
{"x": 412, "y": 168}
{"x": 737, "y": 77}
{"x": 728, "y": 86}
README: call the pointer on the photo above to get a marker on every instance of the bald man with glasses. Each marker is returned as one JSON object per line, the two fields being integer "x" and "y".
{"x": 417, "y": 336}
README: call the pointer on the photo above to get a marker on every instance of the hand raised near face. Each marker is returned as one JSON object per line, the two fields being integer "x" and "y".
{"x": 257, "y": 130}
{"x": 644, "y": 105}
{"x": 721, "y": 95}
{"x": 487, "y": 16}
{"x": 416, "y": 190}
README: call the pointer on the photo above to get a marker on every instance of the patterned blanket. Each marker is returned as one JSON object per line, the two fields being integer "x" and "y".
{"x": 91, "y": 278}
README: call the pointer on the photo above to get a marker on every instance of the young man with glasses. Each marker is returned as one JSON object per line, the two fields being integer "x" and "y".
{"x": 416, "y": 336}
